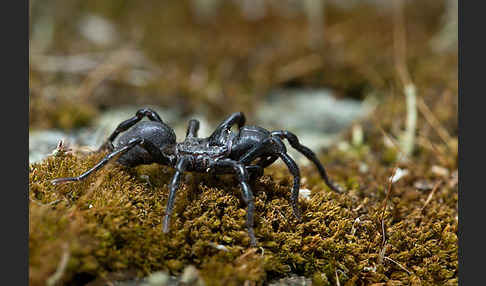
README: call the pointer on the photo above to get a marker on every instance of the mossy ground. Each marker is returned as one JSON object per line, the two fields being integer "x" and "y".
{"x": 110, "y": 225}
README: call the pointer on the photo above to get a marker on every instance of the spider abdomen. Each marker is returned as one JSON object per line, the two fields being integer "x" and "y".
{"x": 156, "y": 133}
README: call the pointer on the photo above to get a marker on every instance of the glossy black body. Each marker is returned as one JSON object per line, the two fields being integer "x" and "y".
{"x": 155, "y": 132}
{"x": 245, "y": 153}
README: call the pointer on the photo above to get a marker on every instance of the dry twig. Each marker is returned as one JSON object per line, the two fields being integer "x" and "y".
{"x": 426, "y": 143}
{"x": 429, "y": 198}
{"x": 338, "y": 283}
{"x": 434, "y": 122}
{"x": 390, "y": 184}
{"x": 400, "y": 59}
{"x": 42, "y": 204}
{"x": 398, "y": 264}
{"x": 299, "y": 67}
{"x": 388, "y": 193}
{"x": 114, "y": 63}
{"x": 54, "y": 278}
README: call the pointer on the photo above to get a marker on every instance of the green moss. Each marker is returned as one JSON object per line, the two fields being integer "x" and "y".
{"x": 66, "y": 111}
{"x": 112, "y": 223}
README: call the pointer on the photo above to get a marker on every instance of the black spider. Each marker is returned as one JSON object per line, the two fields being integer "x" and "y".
{"x": 223, "y": 152}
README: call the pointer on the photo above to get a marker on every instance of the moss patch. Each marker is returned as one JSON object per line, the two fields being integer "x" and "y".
{"x": 111, "y": 223}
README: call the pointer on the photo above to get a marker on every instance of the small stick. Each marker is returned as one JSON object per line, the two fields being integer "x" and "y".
{"x": 400, "y": 59}
{"x": 42, "y": 204}
{"x": 433, "y": 121}
{"x": 390, "y": 184}
{"x": 263, "y": 250}
{"x": 426, "y": 143}
{"x": 248, "y": 252}
{"x": 381, "y": 255}
{"x": 338, "y": 283}
{"x": 429, "y": 198}
{"x": 395, "y": 144}
{"x": 399, "y": 265}
{"x": 285, "y": 219}
{"x": 54, "y": 278}
{"x": 114, "y": 63}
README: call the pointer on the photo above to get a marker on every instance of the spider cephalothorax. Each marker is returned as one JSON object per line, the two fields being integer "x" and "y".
{"x": 245, "y": 153}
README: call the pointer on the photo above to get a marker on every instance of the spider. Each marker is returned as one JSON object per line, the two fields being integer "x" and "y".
{"x": 244, "y": 153}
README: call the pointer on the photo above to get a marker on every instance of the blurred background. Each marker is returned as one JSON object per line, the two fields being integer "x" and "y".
{"x": 315, "y": 67}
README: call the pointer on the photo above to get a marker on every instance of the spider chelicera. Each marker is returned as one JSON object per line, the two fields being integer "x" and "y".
{"x": 244, "y": 153}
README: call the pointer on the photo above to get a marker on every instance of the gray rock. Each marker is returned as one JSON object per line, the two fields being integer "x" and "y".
{"x": 292, "y": 280}
{"x": 109, "y": 120}
{"x": 98, "y": 30}
{"x": 44, "y": 142}
{"x": 314, "y": 115}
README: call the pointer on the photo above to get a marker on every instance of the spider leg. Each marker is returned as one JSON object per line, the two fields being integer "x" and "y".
{"x": 294, "y": 170}
{"x": 257, "y": 151}
{"x": 276, "y": 147}
{"x": 125, "y": 125}
{"x": 174, "y": 185}
{"x": 192, "y": 128}
{"x": 100, "y": 164}
{"x": 225, "y": 126}
{"x": 294, "y": 142}
{"x": 254, "y": 171}
{"x": 247, "y": 194}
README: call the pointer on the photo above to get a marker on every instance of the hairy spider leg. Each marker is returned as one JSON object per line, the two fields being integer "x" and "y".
{"x": 99, "y": 165}
{"x": 192, "y": 128}
{"x": 173, "y": 187}
{"x": 125, "y": 125}
{"x": 294, "y": 142}
{"x": 276, "y": 146}
{"x": 225, "y": 127}
{"x": 247, "y": 194}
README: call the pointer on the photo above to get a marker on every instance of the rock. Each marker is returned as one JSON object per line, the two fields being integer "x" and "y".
{"x": 98, "y": 30}
{"x": 293, "y": 280}
{"x": 43, "y": 143}
{"x": 314, "y": 115}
